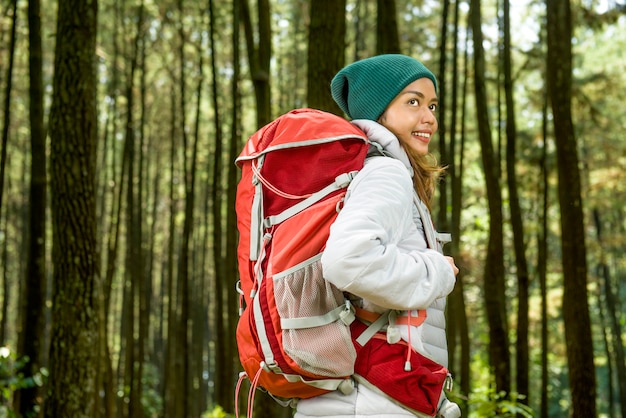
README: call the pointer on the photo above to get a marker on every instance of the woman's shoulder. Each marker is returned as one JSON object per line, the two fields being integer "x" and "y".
{"x": 385, "y": 166}
{"x": 381, "y": 162}
{"x": 384, "y": 175}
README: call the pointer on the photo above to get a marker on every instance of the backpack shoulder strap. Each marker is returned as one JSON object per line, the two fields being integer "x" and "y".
{"x": 434, "y": 239}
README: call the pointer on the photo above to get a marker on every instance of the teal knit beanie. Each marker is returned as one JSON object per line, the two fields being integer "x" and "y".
{"x": 364, "y": 89}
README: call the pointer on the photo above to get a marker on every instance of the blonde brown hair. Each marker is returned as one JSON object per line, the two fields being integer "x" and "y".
{"x": 426, "y": 174}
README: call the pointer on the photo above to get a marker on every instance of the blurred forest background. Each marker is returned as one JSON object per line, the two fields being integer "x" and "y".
{"x": 121, "y": 120}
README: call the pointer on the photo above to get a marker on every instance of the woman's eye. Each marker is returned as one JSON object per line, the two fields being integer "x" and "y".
{"x": 413, "y": 102}
{"x": 433, "y": 107}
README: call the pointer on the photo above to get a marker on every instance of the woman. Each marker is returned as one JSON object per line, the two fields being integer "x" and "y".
{"x": 378, "y": 251}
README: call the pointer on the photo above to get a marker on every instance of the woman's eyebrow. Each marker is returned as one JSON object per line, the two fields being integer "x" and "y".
{"x": 415, "y": 92}
{"x": 420, "y": 95}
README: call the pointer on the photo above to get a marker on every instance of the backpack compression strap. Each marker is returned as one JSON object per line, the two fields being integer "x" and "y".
{"x": 341, "y": 181}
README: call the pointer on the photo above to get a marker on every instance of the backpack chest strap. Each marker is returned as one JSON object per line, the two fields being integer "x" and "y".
{"x": 377, "y": 322}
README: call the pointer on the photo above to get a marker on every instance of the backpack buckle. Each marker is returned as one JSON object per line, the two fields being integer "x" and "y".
{"x": 347, "y": 315}
{"x": 343, "y": 180}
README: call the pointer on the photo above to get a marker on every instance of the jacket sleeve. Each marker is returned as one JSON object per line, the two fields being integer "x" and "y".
{"x": 375, "y": 250}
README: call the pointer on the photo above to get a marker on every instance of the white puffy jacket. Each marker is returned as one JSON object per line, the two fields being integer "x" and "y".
{"x": 377, "y": 251}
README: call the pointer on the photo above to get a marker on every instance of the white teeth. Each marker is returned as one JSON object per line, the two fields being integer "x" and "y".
{"x": 422, "y": 134}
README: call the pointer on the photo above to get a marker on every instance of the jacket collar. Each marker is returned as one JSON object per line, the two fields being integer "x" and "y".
{"x": 383, "y": 141}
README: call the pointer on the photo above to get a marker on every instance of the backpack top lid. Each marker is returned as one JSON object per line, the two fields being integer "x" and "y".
{"x": 298, "y": 154}
{"x": 299, "y": 126}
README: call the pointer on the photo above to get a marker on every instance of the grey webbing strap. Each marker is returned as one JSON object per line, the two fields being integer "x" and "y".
{"x": 373, "y": 328}
{"x": 343, "y": 312}
{"x": 444, "y": 238}
{"x": 341, "y": 181}
{"x": 427, "y": 224}
{"x": 256, "y": 213}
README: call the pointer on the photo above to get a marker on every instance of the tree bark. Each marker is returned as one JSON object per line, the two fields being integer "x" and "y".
{"x": 172, "y": 367}
{"x": 542, "y": 261}
{"x": 32, "y": 338}
{"x": 611, "y": 300}
{"x": 6, "y": 289}
{"x": 7, "y": 101}
{"x": 110, "y": 240}
{"x": 576, "y": 320}
{"x": 387, "y": 39}
{"x": 458, "y": 329}
{"x": 445, "y": 151}
{"x": 326, "y": 51}
{"x": 133, "y": 295}
{"x": 494, "y": 287}
{"x": 224, "y": 301}
{"x": 517, "y": 224}
{"x": 196, "y": 297}
{"x": 182, "y": 330}
{"x": 232, "y": 234}
{"x": 74, "y": 365}
{"x": 259, "y": 56}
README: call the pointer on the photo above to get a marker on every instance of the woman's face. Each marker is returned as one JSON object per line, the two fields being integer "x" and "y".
{"x": 411, "y": 115}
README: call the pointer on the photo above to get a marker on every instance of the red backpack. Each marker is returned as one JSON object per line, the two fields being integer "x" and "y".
{"x": 293, "y": 335}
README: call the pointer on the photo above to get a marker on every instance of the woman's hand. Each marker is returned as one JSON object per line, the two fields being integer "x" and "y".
{"x": 454, "y": 267}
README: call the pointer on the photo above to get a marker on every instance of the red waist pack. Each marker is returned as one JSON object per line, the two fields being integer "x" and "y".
{"x": 383, "y": 365}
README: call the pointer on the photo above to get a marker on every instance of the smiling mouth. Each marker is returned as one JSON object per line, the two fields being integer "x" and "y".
{"x": 421, "y": 134}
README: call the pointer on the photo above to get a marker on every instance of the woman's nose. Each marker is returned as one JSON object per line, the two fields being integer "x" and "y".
{"x": 429, "y": 117}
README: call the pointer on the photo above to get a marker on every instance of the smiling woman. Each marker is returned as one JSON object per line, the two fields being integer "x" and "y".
{"x": 411, "y": 116}
{"x": 383, "y": 252}
{"x": 365, "y": 89}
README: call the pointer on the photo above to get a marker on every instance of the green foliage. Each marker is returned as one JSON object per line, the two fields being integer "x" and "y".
{"x": 217, "y": 412}
{"x": 12, "y": 379}
{"x": 487, "y": 403}
{"x": 151, "y": 400}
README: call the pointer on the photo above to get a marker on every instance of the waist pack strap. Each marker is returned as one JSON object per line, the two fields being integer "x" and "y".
{"x": 373, "y": 328}
{"x": 371, "y": 317}
{"x": 345, "y": 386}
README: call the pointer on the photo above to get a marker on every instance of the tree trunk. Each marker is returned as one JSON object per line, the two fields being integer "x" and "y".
{"x": 225, "y": 297}
{"x": 458, "y": 331}
{"x": 387, "y": 39}
{"x": 110, "y": 240}
{"x": 611, "y": 301}
{"x": 131, "y": 372}
{"x": 445, "y": 153}
{"x": 32, "y": 338}
{"x": 189, "y": 166}
{"x": 197, "y": 303}
{"x": 6, "y": 289}
{"x": 326, "y": 51}
{"x": 259, "y": 56}
{"x": 223, "y": 393}
{"x": 144, "y": 278}
{"x": 74, "y": 365}
{"x": 517, "y": 225}
{"x": 542, "y": 262}
{"x": 156, "y": 304}
{"x": 617, "y": 346}
{"x": 231, "y": 247}
{"x": 579, "y": 344}
{"x": 494, "y": 287}
{"x": 361, "y": 25}
{"x": 172, "y": 355}
{"x": 7, "y": 101}
{"x": 182, "y": 331}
